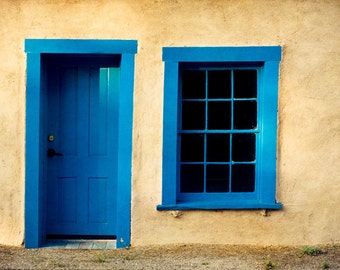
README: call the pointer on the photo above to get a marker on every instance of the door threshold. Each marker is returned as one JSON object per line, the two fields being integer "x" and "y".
{"x": 80, "y": 244}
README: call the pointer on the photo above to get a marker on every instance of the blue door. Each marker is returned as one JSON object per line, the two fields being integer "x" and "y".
{"x": 81, "y": 146}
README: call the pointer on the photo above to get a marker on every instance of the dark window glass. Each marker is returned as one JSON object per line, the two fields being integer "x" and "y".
{"x": 245, "y": 114}
{"x": 243, "y": 147}
{"x": 219, "y": 84}
{"x": 218, "y": 147}
{"x": 243, "y": 178}
{"x": 217, "y": 178}
{"x": 193, "y": 115}
{"x": 245, "y": 83}
{"x": 192, "y": 178}
{"x": 219, "y": 115}
{"x": 193, "y": 84}
{"x": 222, "y": 115}
{"x": 192, "y": 147}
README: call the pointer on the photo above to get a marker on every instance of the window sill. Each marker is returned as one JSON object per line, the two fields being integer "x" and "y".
{"x": 218, "y": 206}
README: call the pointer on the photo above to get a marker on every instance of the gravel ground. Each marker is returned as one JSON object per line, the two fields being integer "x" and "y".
{"x": 171, "y": 257}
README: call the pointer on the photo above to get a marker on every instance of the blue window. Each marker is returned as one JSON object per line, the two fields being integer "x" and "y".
{"x": 219, "y": 133}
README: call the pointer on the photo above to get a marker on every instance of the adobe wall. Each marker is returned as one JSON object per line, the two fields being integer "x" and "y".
{"x": 308, "y": 178}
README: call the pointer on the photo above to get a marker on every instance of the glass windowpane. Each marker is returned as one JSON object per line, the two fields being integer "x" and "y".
{"x": 217, "y": 178}
{"x": 218, "y": 147}
{"x": 245, "y": 83}
{"x": 193, "y": 115}
{"x": 243, "y": 178}
{"x": 245, "y": 114}
{"x": 193, "y": 84}
{"x": 192, "y": 147}
{"x": 219, "y": 115}
{"x": 219, "y": 84}
{"x": 243, "y": 147}
{"x": 192, "y": 178}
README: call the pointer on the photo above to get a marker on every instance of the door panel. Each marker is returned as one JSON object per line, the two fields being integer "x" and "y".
{"x": 81, "y": 184}
{"x": 66, "y": 189}
{"x": 98, "y": 115}
{"x": 97, "y": 205}
{"x": 67, "y": 110}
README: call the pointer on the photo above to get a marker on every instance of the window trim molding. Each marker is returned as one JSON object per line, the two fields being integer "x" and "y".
{"x": 269, "y": 57}
{"x": 222, "y": 54}
{"x": 35, "y": 227}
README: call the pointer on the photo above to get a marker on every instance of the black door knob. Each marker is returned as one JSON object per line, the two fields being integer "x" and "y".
{"x": 51, "y": 153}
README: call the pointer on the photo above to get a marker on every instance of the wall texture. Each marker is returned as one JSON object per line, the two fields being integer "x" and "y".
{"x": 308, "y": 181}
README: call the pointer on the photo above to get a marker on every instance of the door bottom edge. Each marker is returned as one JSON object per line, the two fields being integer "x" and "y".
{"x": 80, "y": 237}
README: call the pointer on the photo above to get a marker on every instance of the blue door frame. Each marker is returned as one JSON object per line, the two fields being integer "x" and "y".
{"x": 35, "y": 184}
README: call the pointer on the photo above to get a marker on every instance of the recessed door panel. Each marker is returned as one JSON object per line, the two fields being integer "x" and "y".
{"x": 98, "y": 113}
{"x": 67, "y": 197}
{"x": 98, "y": 205}
{"x": 67, "y": 108}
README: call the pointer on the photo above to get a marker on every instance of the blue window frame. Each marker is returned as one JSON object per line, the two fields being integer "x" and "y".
{"x": 219, "y": 132}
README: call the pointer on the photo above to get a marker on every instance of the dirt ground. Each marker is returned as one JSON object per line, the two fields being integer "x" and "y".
{"x": 172, "y": 257}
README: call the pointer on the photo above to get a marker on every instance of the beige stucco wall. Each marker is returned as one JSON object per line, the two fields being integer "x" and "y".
{"x": 309, "y": 108}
